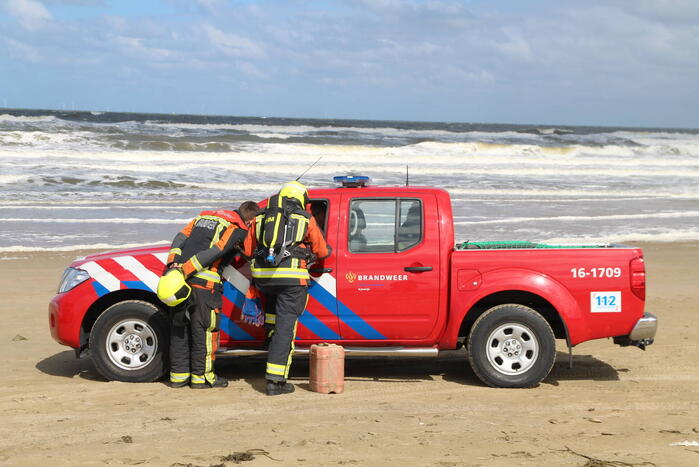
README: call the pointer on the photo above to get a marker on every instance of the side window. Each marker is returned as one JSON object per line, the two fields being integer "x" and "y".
{"x": 410, "y": 226}
{"x": 384, "y": 225}
{"x": 319, "y": 210}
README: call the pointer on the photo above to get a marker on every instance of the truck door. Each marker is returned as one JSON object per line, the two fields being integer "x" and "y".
{"x": 388, "y": 267}
{"x": 319, "y": 322}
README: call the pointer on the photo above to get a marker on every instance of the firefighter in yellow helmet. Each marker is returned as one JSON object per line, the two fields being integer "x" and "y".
{"x": 192, "y": 287}
{"x": 282, "y": 241}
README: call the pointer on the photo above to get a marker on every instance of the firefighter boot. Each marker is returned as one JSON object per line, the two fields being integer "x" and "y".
{"x": 178, "y": 384}
{"x": 275, "y": 388}
{"x": 219, "y": 382}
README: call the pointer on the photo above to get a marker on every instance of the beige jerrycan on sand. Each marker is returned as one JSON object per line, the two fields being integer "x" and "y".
{"x": 327, "y": 368}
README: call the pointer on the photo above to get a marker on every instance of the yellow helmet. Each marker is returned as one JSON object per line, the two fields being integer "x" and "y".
{"x": 295, "y": 190}
{"x": 172, "y": 288}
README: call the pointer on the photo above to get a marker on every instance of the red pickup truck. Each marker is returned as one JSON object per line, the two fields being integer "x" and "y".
{"x": 395, "y": 285}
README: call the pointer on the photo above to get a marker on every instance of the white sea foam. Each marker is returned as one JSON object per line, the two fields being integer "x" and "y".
{"x": 600, "y": 218}
{"x": 132, "y": 220}
{"x": 288, "y": 131}
{"x": 452, "y": 157}
{"x": 116, "y": 203}
{"x": 568, "y": 193}
{"x": 666, "y": 236}
{"x": 20, "y": 118}
{"x": 81, "y": 206}
{"x": 398, "y": 168}
{"x": 264, "y": 187}
{"x": 9, "y": 179}
{"x": 91, "y": 246}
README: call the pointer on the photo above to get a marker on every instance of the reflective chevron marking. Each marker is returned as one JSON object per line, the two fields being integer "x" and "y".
{"x": 161, "y": 256}
{"x": 145, "y": 275}
{"x": 237, "y": 279}
{"x": 101, "y": 275}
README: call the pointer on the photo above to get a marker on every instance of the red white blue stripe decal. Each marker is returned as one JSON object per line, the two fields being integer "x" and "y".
{"x": 142, "y": 272}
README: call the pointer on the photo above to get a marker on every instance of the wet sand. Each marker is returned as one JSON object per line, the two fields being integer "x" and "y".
{"x": 616, "y": 404}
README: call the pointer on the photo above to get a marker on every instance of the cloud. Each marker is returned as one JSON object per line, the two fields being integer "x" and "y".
{"x": 30, "y": 13}
{"x": 671, "y": 11}
{"x": 24, "y": 51}
{"x": 136, "y": 46}
{"x": 232, "y": 45}
{"x": 454, "y": 54}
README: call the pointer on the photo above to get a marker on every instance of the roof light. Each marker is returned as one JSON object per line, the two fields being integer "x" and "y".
{"x": 352, "y": 181}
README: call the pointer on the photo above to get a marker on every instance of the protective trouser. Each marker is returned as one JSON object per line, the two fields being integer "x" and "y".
{"x": 286, "y": 303}
{"x": 194, "y": 339}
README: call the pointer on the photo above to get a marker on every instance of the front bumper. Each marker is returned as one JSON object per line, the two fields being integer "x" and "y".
{"x": 642, "y": 334}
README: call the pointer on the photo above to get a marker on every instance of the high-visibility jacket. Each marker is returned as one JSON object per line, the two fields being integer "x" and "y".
{"x": 204, "y": 243}
{"x": 293, "y": 270}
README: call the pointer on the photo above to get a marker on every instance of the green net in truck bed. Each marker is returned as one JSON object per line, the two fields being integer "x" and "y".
{"x": 516, "y": 245}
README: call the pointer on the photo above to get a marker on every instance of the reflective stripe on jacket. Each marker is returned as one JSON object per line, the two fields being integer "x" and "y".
{"x": 204, "y": 242}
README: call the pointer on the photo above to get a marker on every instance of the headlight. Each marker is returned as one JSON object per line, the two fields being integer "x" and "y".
{"x": 71, "y": 278}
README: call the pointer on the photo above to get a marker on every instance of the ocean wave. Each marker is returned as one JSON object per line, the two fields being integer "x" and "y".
{"x": 263, "y": 187}
{"x": 595, "y": 218}
{"x": 330, "y": 167}
{"x": 11, "y": 179}
{"x": 448, "y": 155}
{"x": 82, "y": 206}
{"x": 75, "y": 142}
{"x": 27, "y": 119}
{"x": 572, "y": 193}
{"x": 131, "y": 220}
{"x": 78, "y": 247}
{"x": 310, "y": 130}
{"x": 667, "y": 236}
{"x": 553, "y": 131}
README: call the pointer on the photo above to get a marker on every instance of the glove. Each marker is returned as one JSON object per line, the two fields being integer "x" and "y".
{"x": 252, "y": 307}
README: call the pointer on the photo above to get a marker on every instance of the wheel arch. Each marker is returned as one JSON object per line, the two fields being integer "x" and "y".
{"x": 104, "y": 302}
{"x": 519, "y": 297}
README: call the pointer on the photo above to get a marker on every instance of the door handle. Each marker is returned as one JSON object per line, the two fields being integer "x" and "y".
{"x": 320, "y": 270}
{"x": 418, "y": 268}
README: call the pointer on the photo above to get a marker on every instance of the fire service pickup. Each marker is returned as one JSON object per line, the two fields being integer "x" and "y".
{"x": 396, "y": 284}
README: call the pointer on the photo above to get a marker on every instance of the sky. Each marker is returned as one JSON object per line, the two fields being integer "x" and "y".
{"x": 592, "y": 62}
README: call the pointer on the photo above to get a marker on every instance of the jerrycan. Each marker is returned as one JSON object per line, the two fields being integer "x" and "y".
{"x": 327, "y": 368}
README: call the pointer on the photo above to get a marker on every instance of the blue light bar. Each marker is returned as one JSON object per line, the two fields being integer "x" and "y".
{"x": 352, "y": 181}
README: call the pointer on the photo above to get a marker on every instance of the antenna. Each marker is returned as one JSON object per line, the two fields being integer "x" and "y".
{"x": 407, "y": 175}
{"x": 312, "y": 165}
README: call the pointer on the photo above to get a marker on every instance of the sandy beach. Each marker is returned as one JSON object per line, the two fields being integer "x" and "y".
{"x": 616, "y": 404}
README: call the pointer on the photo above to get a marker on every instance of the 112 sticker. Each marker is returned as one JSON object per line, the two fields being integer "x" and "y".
{"x": 605, "y": 302}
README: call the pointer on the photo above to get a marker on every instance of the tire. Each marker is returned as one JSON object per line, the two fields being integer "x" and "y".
{"x": 130, "y": 342}
{"x": 511, "y": 346}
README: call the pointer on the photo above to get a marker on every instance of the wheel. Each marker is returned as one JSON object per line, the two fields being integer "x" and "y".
{"x": 130, "y": 341}
{"x": 511, "y": 346}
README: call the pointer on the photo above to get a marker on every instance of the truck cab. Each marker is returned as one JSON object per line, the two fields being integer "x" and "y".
{"x": 395, "y": 284}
